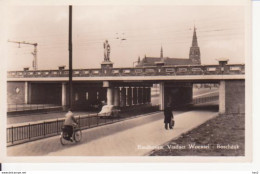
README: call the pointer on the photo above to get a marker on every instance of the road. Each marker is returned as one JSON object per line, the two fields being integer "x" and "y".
{"x": 133, "y": 137}
{"x": 11, "y": 120}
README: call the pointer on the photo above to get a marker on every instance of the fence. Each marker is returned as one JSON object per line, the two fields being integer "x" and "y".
{"x": 31, "y": 107}
{"x": 29, "y": 132}
{"x": 206, "y": 99}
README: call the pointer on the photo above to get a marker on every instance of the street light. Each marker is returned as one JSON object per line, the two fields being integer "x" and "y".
{"x": 70, "y": 56}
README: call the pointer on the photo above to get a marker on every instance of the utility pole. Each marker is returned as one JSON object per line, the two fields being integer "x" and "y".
{"x": 70, "y": 56}
{"x": 34, "y": 53}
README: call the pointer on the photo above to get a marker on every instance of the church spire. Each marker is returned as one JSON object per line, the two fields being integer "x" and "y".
{"x": 194, "y": 39}
{"x": 195, "y": 49}
{"x": 161, "y": 52}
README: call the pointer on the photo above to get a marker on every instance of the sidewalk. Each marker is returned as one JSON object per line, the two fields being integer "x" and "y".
{"x": 133, "y": 137}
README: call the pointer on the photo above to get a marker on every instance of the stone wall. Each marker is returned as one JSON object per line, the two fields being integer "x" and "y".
{"x": 235, "y": 96}
{"x": 45, "y": 93}
{"x": 15, "y": 92}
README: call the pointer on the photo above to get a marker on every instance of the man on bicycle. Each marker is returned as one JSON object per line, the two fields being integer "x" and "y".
{"x": 69, "y": 122}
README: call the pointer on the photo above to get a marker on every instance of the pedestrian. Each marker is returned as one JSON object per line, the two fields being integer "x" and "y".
{"x": 168, "y": 116}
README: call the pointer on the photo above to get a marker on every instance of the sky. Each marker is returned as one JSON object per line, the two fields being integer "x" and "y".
{"x": 145, "y": 28}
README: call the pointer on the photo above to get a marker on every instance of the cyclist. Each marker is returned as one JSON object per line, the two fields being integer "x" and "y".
{"x": 69, "y": 122}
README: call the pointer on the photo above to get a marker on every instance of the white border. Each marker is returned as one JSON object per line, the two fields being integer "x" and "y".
{"x": 168, "y": 166}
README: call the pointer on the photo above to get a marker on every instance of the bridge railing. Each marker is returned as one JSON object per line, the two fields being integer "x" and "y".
{"x": 32, "y": 131}
{"x": 229, "y": 69}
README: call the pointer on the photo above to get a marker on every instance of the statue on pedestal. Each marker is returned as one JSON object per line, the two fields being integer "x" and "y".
{"x": 106, "y": 51}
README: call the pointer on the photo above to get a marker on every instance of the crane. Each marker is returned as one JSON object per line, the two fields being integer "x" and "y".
{"x": 34, "y": 53}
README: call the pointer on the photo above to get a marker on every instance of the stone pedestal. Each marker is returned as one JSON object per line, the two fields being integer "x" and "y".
{"x": 106, "y": 65}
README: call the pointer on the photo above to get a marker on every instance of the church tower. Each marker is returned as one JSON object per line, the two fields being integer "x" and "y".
{"x": 195, "y": 50}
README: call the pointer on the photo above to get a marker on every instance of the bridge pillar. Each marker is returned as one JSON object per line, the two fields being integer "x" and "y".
{"x": 137, "y": 95}
{"x": 109, "y": 96}
{"x": 123, "y": 97}
{"x": 144, "y": 95}
{"x": 116, "y": 97}
{"x": 149, "y": 95}
{"x": 126, "y": 96}
{"x": 222, "y": 93}
{"x": 232, "y": 97}
{"x": 140, "y": 95}
{"x": 134, "y": 95}
{"x": 26, "y": 92}
{"x": 63, "y": 95}
{"x": 161, "y": 97}
{"x": 129, "y": 96}
{"x": 29, "y": 93}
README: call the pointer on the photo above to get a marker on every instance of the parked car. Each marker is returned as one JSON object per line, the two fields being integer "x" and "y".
{"x": 97, "y": 105}
{"x": 109, "y": 111}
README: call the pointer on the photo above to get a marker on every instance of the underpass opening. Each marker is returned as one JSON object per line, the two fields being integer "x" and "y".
{"x": 186, "y": 95}
{"x": 88, "y": 96}
{"x": 205, "y": 96}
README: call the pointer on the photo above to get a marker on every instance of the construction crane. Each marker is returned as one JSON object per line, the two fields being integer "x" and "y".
{"x": 34, "y": 53}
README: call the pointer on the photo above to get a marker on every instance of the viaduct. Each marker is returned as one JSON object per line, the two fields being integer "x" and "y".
{"x": 128, "y": 86}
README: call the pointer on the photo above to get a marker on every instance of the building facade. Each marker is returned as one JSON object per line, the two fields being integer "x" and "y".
{"x": 194, "y": 56}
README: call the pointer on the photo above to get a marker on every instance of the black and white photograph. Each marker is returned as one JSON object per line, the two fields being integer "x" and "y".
{"x": 160, "y": 81}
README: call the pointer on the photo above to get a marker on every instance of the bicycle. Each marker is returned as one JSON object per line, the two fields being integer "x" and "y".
{"x": 76, "y": 135}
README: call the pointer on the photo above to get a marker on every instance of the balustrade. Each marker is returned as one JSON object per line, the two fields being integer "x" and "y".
{"x": 231, "y": 69}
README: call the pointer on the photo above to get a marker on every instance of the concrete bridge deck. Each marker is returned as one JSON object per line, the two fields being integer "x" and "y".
{"x": 134, "y": 137}
{"x": 153, "y": 73}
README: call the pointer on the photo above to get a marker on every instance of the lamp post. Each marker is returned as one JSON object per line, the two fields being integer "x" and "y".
{"x": 70, "y": 56}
